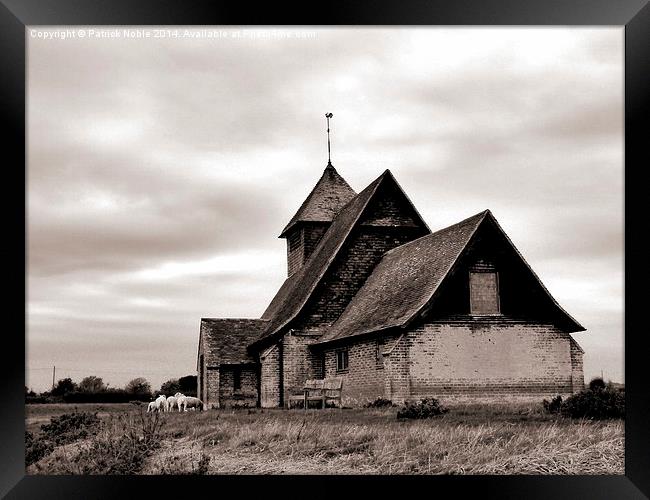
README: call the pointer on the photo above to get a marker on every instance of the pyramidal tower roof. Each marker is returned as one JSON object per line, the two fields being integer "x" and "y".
{"x": 330, "y": 194}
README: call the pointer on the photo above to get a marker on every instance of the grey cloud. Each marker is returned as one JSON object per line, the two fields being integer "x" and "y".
{"x": 142, "y": 153}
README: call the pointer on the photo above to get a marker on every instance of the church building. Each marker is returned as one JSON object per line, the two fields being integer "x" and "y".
{"x": 373, "y": 296}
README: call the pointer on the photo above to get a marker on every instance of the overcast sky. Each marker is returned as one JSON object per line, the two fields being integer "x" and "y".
{"x": 162, "y": 170}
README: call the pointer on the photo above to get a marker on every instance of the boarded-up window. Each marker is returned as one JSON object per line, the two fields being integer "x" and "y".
{"x": 484, "y": 293}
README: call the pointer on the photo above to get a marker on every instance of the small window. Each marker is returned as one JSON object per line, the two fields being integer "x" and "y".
{"x": 379, "y": 356}
{"x": 341, "y": 360}
{"x": 484, "y": 293}
{"x": 236, "y": 379}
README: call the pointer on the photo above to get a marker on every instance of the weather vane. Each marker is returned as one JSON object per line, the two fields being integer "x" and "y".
{"x": 328, "y": 116}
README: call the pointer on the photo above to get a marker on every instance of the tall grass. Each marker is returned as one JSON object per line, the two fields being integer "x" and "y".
{"x": 470, "y": 439}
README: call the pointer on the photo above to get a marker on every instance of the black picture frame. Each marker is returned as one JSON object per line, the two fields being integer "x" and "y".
{"x": 15, "y": 15}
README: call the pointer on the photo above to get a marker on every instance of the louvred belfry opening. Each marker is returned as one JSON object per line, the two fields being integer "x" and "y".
{"x": 313, "y": 218}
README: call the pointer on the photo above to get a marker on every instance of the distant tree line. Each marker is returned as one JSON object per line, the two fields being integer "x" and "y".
{"x": 92, "y": 389}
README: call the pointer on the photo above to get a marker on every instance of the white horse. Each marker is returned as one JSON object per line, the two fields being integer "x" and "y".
{"x": 191, "y": 403}
{"x": 170, "y": 403}
{"x": 151, "y": 407}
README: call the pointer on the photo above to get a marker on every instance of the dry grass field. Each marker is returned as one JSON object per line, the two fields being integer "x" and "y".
{"x": 470, "y": 439}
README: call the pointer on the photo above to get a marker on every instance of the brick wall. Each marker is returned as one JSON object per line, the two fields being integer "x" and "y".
{"x": 397, "y": 379}
{"x": 246, "y": 395}
{"x": 200, "y": 372}
{"x": 348, "y": 273}
{"x": 294, "y": 251}
{"x": 363, "y": 381}
{"x": 301, "y": 242}
{"x": 270, "y": 378}
{"x": 299, "y": 362}
{"x": 201, "y": 381}
{"x": 389, "y": 209}
{"x": 212, "y": 388}
{"x": 312, "y": 234}
{"x": 494, "y": 359}
{"x": 577, "y": 375}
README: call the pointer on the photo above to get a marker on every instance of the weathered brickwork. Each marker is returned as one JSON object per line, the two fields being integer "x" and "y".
{"x": 294, "y": 251}
{"x": 577, "y": 375}
{"x": 312, "y": 234}
{"x": 349, "y": 272}
{"x": 212, "y": 393}
{"x": 299, "y": 362}
{"x": 246, "y": 395}
{"x": 201, "y": 374}
{"x": 363, "y": 381}
{"x": 301, "y": 242}
{"x": 270, "y": 378}
{"x": 491, "y": 359}
{"x": 389, "y": 209}
{"x": 397, "y": 382}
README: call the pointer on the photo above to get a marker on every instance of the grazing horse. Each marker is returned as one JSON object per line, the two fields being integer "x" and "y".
{"x": 151, "y": 407}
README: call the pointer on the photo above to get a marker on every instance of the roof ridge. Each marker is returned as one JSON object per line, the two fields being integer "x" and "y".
{"x": 437, "y": 233}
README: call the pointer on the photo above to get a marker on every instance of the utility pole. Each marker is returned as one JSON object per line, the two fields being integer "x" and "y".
{"x": 53, "y": 375}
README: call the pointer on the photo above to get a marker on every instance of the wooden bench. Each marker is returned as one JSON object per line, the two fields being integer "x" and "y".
{"x": 322, "y": 390}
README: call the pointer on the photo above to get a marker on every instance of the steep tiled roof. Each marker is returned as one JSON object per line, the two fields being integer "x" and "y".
{"x": 297, "y": 289}
{"x": 330, "y": 194}
{"x": 225, "y": 339}
{"x": 403, "y": 281}
{"x": 407, "y": 278}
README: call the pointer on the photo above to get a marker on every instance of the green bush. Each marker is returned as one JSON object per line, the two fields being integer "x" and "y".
{"x": 379, "y": 403}
{"x": 425, "y": 408}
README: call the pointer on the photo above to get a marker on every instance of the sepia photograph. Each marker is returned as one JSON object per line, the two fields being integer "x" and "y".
{"x": 324, "y": 250}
